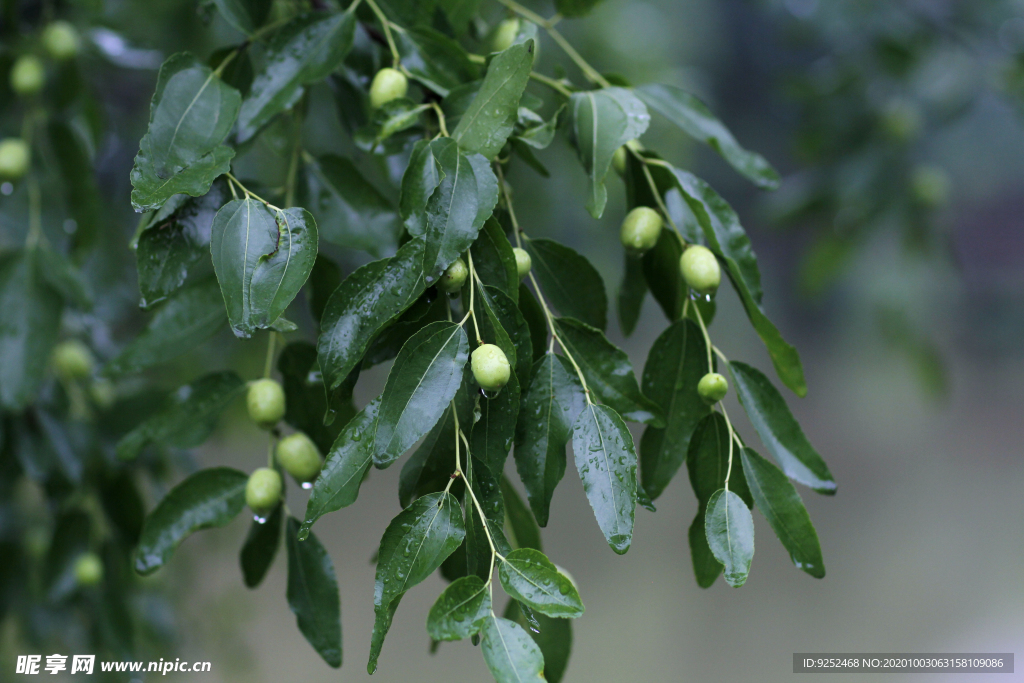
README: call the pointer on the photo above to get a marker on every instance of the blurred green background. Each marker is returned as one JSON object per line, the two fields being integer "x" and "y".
{"x": 919, "y": 420}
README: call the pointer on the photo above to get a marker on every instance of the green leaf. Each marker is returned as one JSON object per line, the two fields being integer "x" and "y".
{"x": 305, "y": 400}
{"x": 694, "y": 118}
{"x": 707, "y": 461}
{"x": 554, "y": 639}
{"x": 262, "y": 259}
{"x": 549, "y": 409}
{"x": 460, "y": 610}
{"x": 313, "y": 594}
{"x": 415, "y": 544}
{"x": 535, "y": 131}
{"x": 677, "y": 361}
{"x": 187, "y": 418}
{"x": 569, "y": 283}
{"x": 525, "y": 533}
{"x": 730, "y": 531}
{"x": 779, "y": 430}
{"x": 530, "y": 577}
{"x": 28, "y": 328}
{"x": 495, "y": 429}
{"x": 535, "y": 320}
{"x": 71, "y": 531}
{"x": 260, "y": 547}
{"x": 487, "y": 489}
{"x": 705, "y": 567}
{"x": 428, "y": 308}
{"x": 244, "y": 15}
{"x": 57, "y": 272}
{"x": 777, "y": 499}
{"x": 424, "y": 378}
{"x": 434, "y": 60}
{"x": 323, "y": 280}
{"x": 209, "y": 498}
{"x": 606, "y": 462}
{"x": 608, "y": 372}
{"x": 386, "y": 122}
{"x": 494, "y": 260}
{"x": 76, "y": 169}
{"x": 429, "y": 468}
{"x": 350, "y": 211}
{"x": 510, "y": 653}
{"x": 631, "y": 294}
{"x": 191, "y": 316}
{"x": 661, "y": 272}
{"x": 575, "y": 8}
{"x": 602, "y": 121}
{"x": 175, "y": 240}
{"x": 421, "y": 177}
{"x": 191, "y": 113}
{"x": 305, "y": 51}
{"x": 512, "y": 321}
{"x": 362, "y": 305}
{"x": 491, "y": 115}
{"x": 460, "y": 13}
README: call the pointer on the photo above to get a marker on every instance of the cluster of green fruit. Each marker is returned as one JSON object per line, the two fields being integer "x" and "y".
{"x": 28, "y": 75}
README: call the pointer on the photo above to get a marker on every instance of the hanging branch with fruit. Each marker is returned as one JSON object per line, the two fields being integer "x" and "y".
{"x": 460, "y": 107}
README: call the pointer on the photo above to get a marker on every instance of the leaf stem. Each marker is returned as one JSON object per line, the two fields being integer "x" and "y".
{"x": 707, "y": 338}
{"x": 268, "y": 364}
{"x": 469, "y": 489}
{"x": 732, "y": 435}
{"x": 246, "y": 190}
{"x": 508, "y": 205}
{"x": 654, "y": 191}
{"x": 396, "y": 59}
{"x": 551, "y": 83}
{"x": 440, "y": 118}
{"x": 472, "y": 289}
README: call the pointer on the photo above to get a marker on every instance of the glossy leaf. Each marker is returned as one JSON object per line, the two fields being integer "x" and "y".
{"x": 362, "y": 305}
{"x": 313, "y": 594}
{"x": 525, "y": 533}
{"x": 187, "y": 418}
{"x": 730, "y": 531}
{"x": 175, "y": 240}
{"x": 549, "y": 409}
{"x": 28, "y": 329}
{"x": 606, "y": 461}
{"x": 209, "y": 498}
{"x": 260, "y": 548}
{"x": 491, "y": 116}
{"x": 692, "y": 116}
{"x": 188, "y": 318}
{"x": 510, "y": 653}
{"x": 660, "y": 267}
{"x": 779, "y": 430}
{"x": 424, "y": 378}
{"x": 350, "y": 211}
{"x": 323, "y": 280}
{"x": 512, "y": 321}
{"x": 707, "y": 461}
{"x": 537, "y": 132}
{"x": 495, "y": 429}
{"x": 306, "y": 50}
{"x": 569, "y": 283}
{"x": 460, "y": 611}
{"x": 415, "y": 544}
{"x": 530, "y": 577}
{"x": 494, "y": 260}
{"x": 387, "y": 121}
{"x": 344, "y": 468}
{"x": 421, "y": 177}
{"x": 191, "y": 113}
{"x": 429, "y": 468}
{"x": 554, "y": 639}
{"x": 533, "y": 314}
{"x": 777, "y": 499}
{"x": 434, "y": 60}
{"x": 601, "y": 122}
{"x": 706, "y": 568}
{"x": 487, "y": 488}
{"x": 677, "y": 361}
{"x": 608, "y": 372}
{"x": 262, "y": 259}
{"x": 244, "y": 15}
{"x": 632, "y": 292}
{"x": 306, "y": 403}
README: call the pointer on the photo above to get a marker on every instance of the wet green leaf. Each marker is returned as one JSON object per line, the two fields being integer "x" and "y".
{"x": 244, "y": 15}
{"x": 631, "y": 294}
{"x": 430, "y": 467}
{"x": 434, "y": 60}
{"x": 533, "y": 314}
{"x": 323, "y": 280}
{"x": 494, "y": 261}
{"x": 706, "y": 568}
{"x": 313, "y": 593}
{"x": 569, "y": 283}
{"x": 260, "y": 548}
{"x": 730, "y": 531}
{"x": 554, "y": 640}
{"x": 707, "y": 461}
{"x": 530, "y": 577}
{"x": 606, "y": 461}
{"x": 535, "y": 131}
{"x": 510, "y": 653}
{"x": 209, "y": 498}
{"x": 421, "y": 177}
{"x": 306, "y": 403}
{"x": 460, "y": 610}
{"x": 525, "y": 533}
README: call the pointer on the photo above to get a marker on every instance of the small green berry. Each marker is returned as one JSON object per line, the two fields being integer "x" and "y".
{"x": 619, "y": 160}
{"x": 15, "y": 157}
{"x": 299, "y": 457}
{"x": 490, "y": 367}
{"x": 27, "y": 75}
{"x": 523, "y": 262}
{"x": 930, "y": 186}
{"x": 60, "y": 40}
{"x": 700, "y": 269}
{"x": 505, "y": 35}
{"x": 712, "y": 387}
{"x": 265, "y": 402}
{"x": 263, "y": 490}
{"x": 88, "y": 569}
{"x": 389, "y": 84}
{"x": 72, "y": 360}
{"x": 640, "y": 230}
{"x": 454, "y": 277}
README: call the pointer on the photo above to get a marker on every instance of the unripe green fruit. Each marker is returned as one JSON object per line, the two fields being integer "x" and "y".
{"x": 523, "y": 262}
{"x": 700, "y": 269}
{"x": 265, "y": 402}
{"x": 60, "y": 40}
{"x": 389, "y": 84}
{"x": 299, "y": 457}
{"x": 930, "y": 186}
{"x": 619, "y": 160}
{"x": 490, "y": 367}
{"x": 88, "y": 569}
{"x": 505, "y": 35}
{"x": 27, "y": 75}
{"x": 712, "y": 387}
{"x": 454, "y": 277}
{"x": 263, "y": 490}
{"x": 72, "y": 360}
{"x": 640, "y": 230}
{"x": 15, "y": 157}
